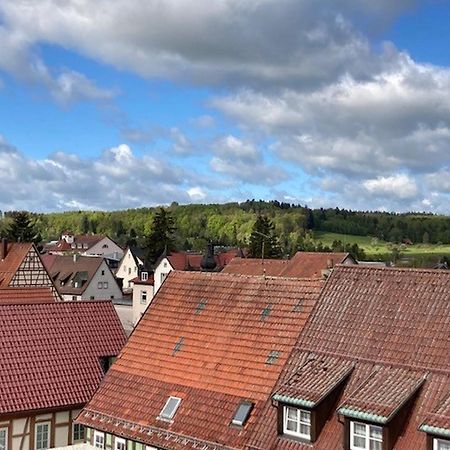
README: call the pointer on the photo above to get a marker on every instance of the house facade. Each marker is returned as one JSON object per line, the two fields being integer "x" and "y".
{"x": 54, "y": 356}
{"x": 82, "y": 277}
{"x": 130, "y": 267}
{"x": 21, "y": 266}
{"x": 143, "y": 292}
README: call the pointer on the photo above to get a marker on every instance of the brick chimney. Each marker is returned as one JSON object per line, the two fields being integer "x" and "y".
{"x": 3, "y": 249}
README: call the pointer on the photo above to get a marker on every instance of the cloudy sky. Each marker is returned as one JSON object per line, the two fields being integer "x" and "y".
{"x": 110, "y": 105}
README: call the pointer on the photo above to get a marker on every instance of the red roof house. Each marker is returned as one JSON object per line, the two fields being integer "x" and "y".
{"x": 202, "y": 362}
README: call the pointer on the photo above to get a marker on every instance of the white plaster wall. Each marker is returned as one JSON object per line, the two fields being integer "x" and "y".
{"x": 98, "y": 249}
{"x": 127, "y": 269}
{"x": 161, "y": 272}
{"x": 102, "y": 294}
{"x": 138, "y": 307}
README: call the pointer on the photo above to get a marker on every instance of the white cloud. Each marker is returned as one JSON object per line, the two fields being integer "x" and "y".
{"x": 400, "y": 186}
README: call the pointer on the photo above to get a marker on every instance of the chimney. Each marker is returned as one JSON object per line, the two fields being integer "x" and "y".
{"x": 208, "y": 261}
{"x": 3, "y": 248}
{"x": 330, "y": 263}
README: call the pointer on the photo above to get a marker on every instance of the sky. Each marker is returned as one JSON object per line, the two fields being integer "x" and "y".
{"x": 113, "y": 105}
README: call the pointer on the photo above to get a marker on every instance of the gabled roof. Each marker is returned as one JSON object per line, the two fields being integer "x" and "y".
{"x": 394, "y": 326}
{"x": 211, "y": 339}
{"x": 50, "y": 353}
{"x": 16, "y": 253}
{"x": 66, "y": 270}
{"x": 16, "y": 296}
{"x": 301, "y": 265}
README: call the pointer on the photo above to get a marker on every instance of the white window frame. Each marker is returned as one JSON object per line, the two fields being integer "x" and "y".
{"x": 121, "y": 441}
{"x": 105, "y": 285}
{"x": 49, "y": 429}
{"x": 367, "y": 436}
{"x": 4, "y": 430}
{"x": 175, "y": 409}
{"x": 100, "y": 285}
{"x": 299, "y": 421}
{"x": 73, "y": 432}
{"x": 101, "y": 436}
{"x": 437, "y": 441}
{"x": 143, "y": 297}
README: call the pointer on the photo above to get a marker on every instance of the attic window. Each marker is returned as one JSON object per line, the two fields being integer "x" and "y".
{"x": 144, "y": 276}
{"x": 242, "y": 414}
{"x": 266, "y": 312}
{"x": 366, "y": 437}
{"x": 170, "y": 408}
{"x": 441, "y": 444}
{"x": 273, "y": 356}
{"x": 178, "y": 346}
{"x": 297, "y": 422}
{"x": 200, "y": 307}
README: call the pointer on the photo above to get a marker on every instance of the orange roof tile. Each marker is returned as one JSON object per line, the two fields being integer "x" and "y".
{"x": 207, "y": 338}
{"x": 16, "y": 252}
{"x": 15, "y": 296}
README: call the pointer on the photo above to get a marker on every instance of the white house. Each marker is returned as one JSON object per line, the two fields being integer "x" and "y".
{"x": 82, "y": 278}
{"x": 130, "y": 267}
{"x": 143, "y": 292}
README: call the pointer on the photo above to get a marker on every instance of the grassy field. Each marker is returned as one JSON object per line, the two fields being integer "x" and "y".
{"x": 375, "y": 248}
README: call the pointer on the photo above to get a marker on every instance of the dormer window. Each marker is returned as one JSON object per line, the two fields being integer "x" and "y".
{"x": 170, "y": 408}
{"x": 144, "y": 276}
{"x": 297, "y": 422}
{"x": 441, "y": 444}
{"x": 242, "y": 414}
{"x": 365, "y": 437}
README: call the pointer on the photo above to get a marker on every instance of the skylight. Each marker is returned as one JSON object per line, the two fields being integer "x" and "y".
{"x": 178, "y": 346}
{"x": 242, "y": 413}
{"x": 298, "y": 306}
{"x": 266, "y": 312}
{"x": 170, "y": 408}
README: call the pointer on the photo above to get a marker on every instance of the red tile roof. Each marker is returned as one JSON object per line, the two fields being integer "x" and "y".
{"x": 15, "y": 296}
{"x": 206, "y": 338}
{"x": 16, "y": 252}
{"x": 394, "y": 325}
{"x": 50, "y": 352}
{"x": 301, "y": 265}
{"x": 192, "y": 261}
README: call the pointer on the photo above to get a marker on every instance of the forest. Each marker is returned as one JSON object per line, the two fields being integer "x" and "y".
{"x": 231, "y": 224}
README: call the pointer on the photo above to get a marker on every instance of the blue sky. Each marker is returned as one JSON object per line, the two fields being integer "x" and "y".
{"x": 329, "y": 103}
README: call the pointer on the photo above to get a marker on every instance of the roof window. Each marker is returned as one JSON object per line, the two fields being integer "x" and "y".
{"x": 242, "y": 413}
{"x": 273, "y": 356}
{"x": 178, "y": 346}
{"x": 200, "y": 307}
{"x": 170, "y": 408}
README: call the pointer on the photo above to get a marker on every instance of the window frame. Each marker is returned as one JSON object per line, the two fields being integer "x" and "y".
{"x": 48, "y": 424}
{"x": 143, "y": 299}
{"x": 6, "y": 430}
{"x": 298, "y": 433}
{"x": 167, "y": 417}
{"x": 367, "y": 436}
{"x": 119, "y": 440}
{"x": 105, "y": 285}
{"x": 83, "y": 428}
{"x": 436, "y": 441}
{"x": 101, "y": 435}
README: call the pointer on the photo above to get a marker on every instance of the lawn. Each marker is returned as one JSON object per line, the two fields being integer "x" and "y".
{"x": 374, "y": 247}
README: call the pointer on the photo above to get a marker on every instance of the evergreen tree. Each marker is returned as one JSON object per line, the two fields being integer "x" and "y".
{"x": 263, "y": 236}
{"x": 162, "y": 236}
{"x": 22, "y": 229}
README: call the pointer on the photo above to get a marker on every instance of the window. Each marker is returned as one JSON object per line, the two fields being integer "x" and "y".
{"x": 119, "y": 444}
{"x": 103, "y": 272}
{"x": 85, "y": 246}
{"x": 3, "y": 438}
{"x": 165, "y": 264}
{"x": 143, "y": 297}
{"x": 297, "y": 422}
{"x": 105, "y": 246}
{"x": 144, "y": 276}
{"x": 100, "y": 285}
{"x": 163, "y": 276}
{"x": 242, "y": 413}
{"x": 438, "y": 444}
{"x": 42, "y": 436}
{"x": 105, "y": 285}
{"x": 92, "y": 297}
{"x": 129, "y": 270}
{"x": 78, "y": 432}
{"x": 170, "y": 408}
{"x": 99, "y": 439}
{"x": 365, "y": 437}
{"x": 74, "y": 297}
{"x": 111, "y": 297}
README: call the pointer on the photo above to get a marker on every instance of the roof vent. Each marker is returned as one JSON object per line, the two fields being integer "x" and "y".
{"x": 200, "y": 307}
{"x": 266, "y": 312}
{"x": 273, "y": 356}
{"x": 178, "y": 346}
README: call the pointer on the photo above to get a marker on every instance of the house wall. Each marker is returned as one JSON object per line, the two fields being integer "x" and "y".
{"x": 125, "y": 313}
{"x": 110, "y": 442}
{"x": 127, "y": 269}
{"x": 139, "y": 306}
{"x": 22, "y": 430}
{"x": 161, "y": 271}
{"x": 103, "y": 275}
{"x": 105, "y": 247}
